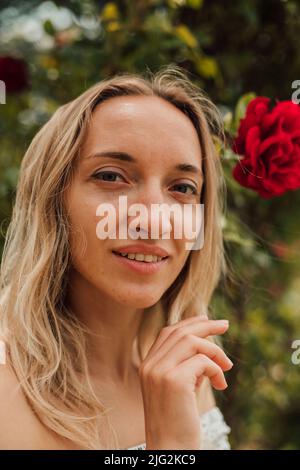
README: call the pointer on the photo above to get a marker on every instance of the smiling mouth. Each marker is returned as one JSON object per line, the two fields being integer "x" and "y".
{"x": 142, "y": 258}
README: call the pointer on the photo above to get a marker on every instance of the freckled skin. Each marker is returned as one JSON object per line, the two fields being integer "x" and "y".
{"x": 159, "y": 136}
{"x": 108, "y": 297}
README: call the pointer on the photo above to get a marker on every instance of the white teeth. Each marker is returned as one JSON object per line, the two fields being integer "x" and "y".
{"x": 142, "y": 257}
{"x": 150, "y": 258}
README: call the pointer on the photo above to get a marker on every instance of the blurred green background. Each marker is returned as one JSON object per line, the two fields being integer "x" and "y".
{"x": 232, "y": 50}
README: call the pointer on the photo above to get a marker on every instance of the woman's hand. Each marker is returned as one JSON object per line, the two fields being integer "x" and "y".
{"x": 174, "y": 367}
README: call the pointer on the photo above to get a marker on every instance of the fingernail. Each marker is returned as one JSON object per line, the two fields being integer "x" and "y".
{"x": 230, "y": 364}
{"x": 223, "y": 322}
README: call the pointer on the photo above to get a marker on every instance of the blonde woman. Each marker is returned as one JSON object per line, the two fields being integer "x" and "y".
{"x": 105, "y": 351}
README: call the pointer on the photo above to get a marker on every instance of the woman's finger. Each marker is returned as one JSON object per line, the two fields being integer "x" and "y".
{"x": 193, "y": 369}
{"x": 167, "y": 330}
{"x": 201, "y": 328}
{"x": 187, "y": 347}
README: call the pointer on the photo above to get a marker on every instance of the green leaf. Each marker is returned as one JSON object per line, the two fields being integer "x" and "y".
{"x": 186, "y": 35}
{"x": 196, "y": 4}
{"x": 207, "y": 67}
{"x": 227, "y": 120}
{"x": 241, "y": 106}
{"x": 110, "y": 12}
{"x": 49, "y": 28}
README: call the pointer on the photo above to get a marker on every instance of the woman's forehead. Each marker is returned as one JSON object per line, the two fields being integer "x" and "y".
{"x": 142, "y": 120}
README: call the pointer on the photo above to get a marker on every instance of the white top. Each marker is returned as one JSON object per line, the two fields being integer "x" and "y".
{"x": 214, "y": 432}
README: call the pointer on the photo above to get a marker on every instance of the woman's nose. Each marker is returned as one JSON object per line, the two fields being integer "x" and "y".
{"x": 151, "y": 213}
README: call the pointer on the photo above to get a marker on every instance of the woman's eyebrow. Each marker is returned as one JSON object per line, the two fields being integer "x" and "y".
{"x": 125, "y": 157}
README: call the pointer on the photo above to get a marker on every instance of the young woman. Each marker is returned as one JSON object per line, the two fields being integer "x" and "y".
{"x": 105, "y": 351}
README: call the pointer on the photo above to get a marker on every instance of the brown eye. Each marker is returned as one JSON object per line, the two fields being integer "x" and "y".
{"x": 107, "y": 176}
{"x": 186, "y": 187}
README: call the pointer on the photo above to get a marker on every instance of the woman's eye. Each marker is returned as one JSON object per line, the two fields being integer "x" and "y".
{"x": 107, "y": 176}
{"x": 186, "y": 187}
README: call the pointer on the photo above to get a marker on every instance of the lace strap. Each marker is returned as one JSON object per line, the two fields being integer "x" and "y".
{"x": 214, "y": 431}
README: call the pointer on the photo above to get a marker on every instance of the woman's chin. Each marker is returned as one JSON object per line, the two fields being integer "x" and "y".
{"x": 140, "y": 299}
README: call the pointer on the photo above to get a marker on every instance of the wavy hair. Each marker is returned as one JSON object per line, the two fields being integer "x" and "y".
{"x": 46, "y": 342}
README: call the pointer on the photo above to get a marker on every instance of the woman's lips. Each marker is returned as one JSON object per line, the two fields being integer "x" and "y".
{"x": 140, "y": 266}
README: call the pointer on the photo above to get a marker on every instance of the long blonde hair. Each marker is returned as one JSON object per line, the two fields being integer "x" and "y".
{"x": 46, "y": 342}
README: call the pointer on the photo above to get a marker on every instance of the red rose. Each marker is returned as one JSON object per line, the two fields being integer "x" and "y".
{"x": 268, "y": 141}
{"x": 13, "y": 72}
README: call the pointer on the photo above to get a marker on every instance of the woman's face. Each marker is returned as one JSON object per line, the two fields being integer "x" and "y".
{"x": 156, "y": 138}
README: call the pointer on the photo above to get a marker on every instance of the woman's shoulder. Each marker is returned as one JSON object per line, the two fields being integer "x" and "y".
{"x": 13, "y": 409}
{"x": 15, "y": 413}
{"x": 8, "y": 379}
{"x": 20, "y": 427}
